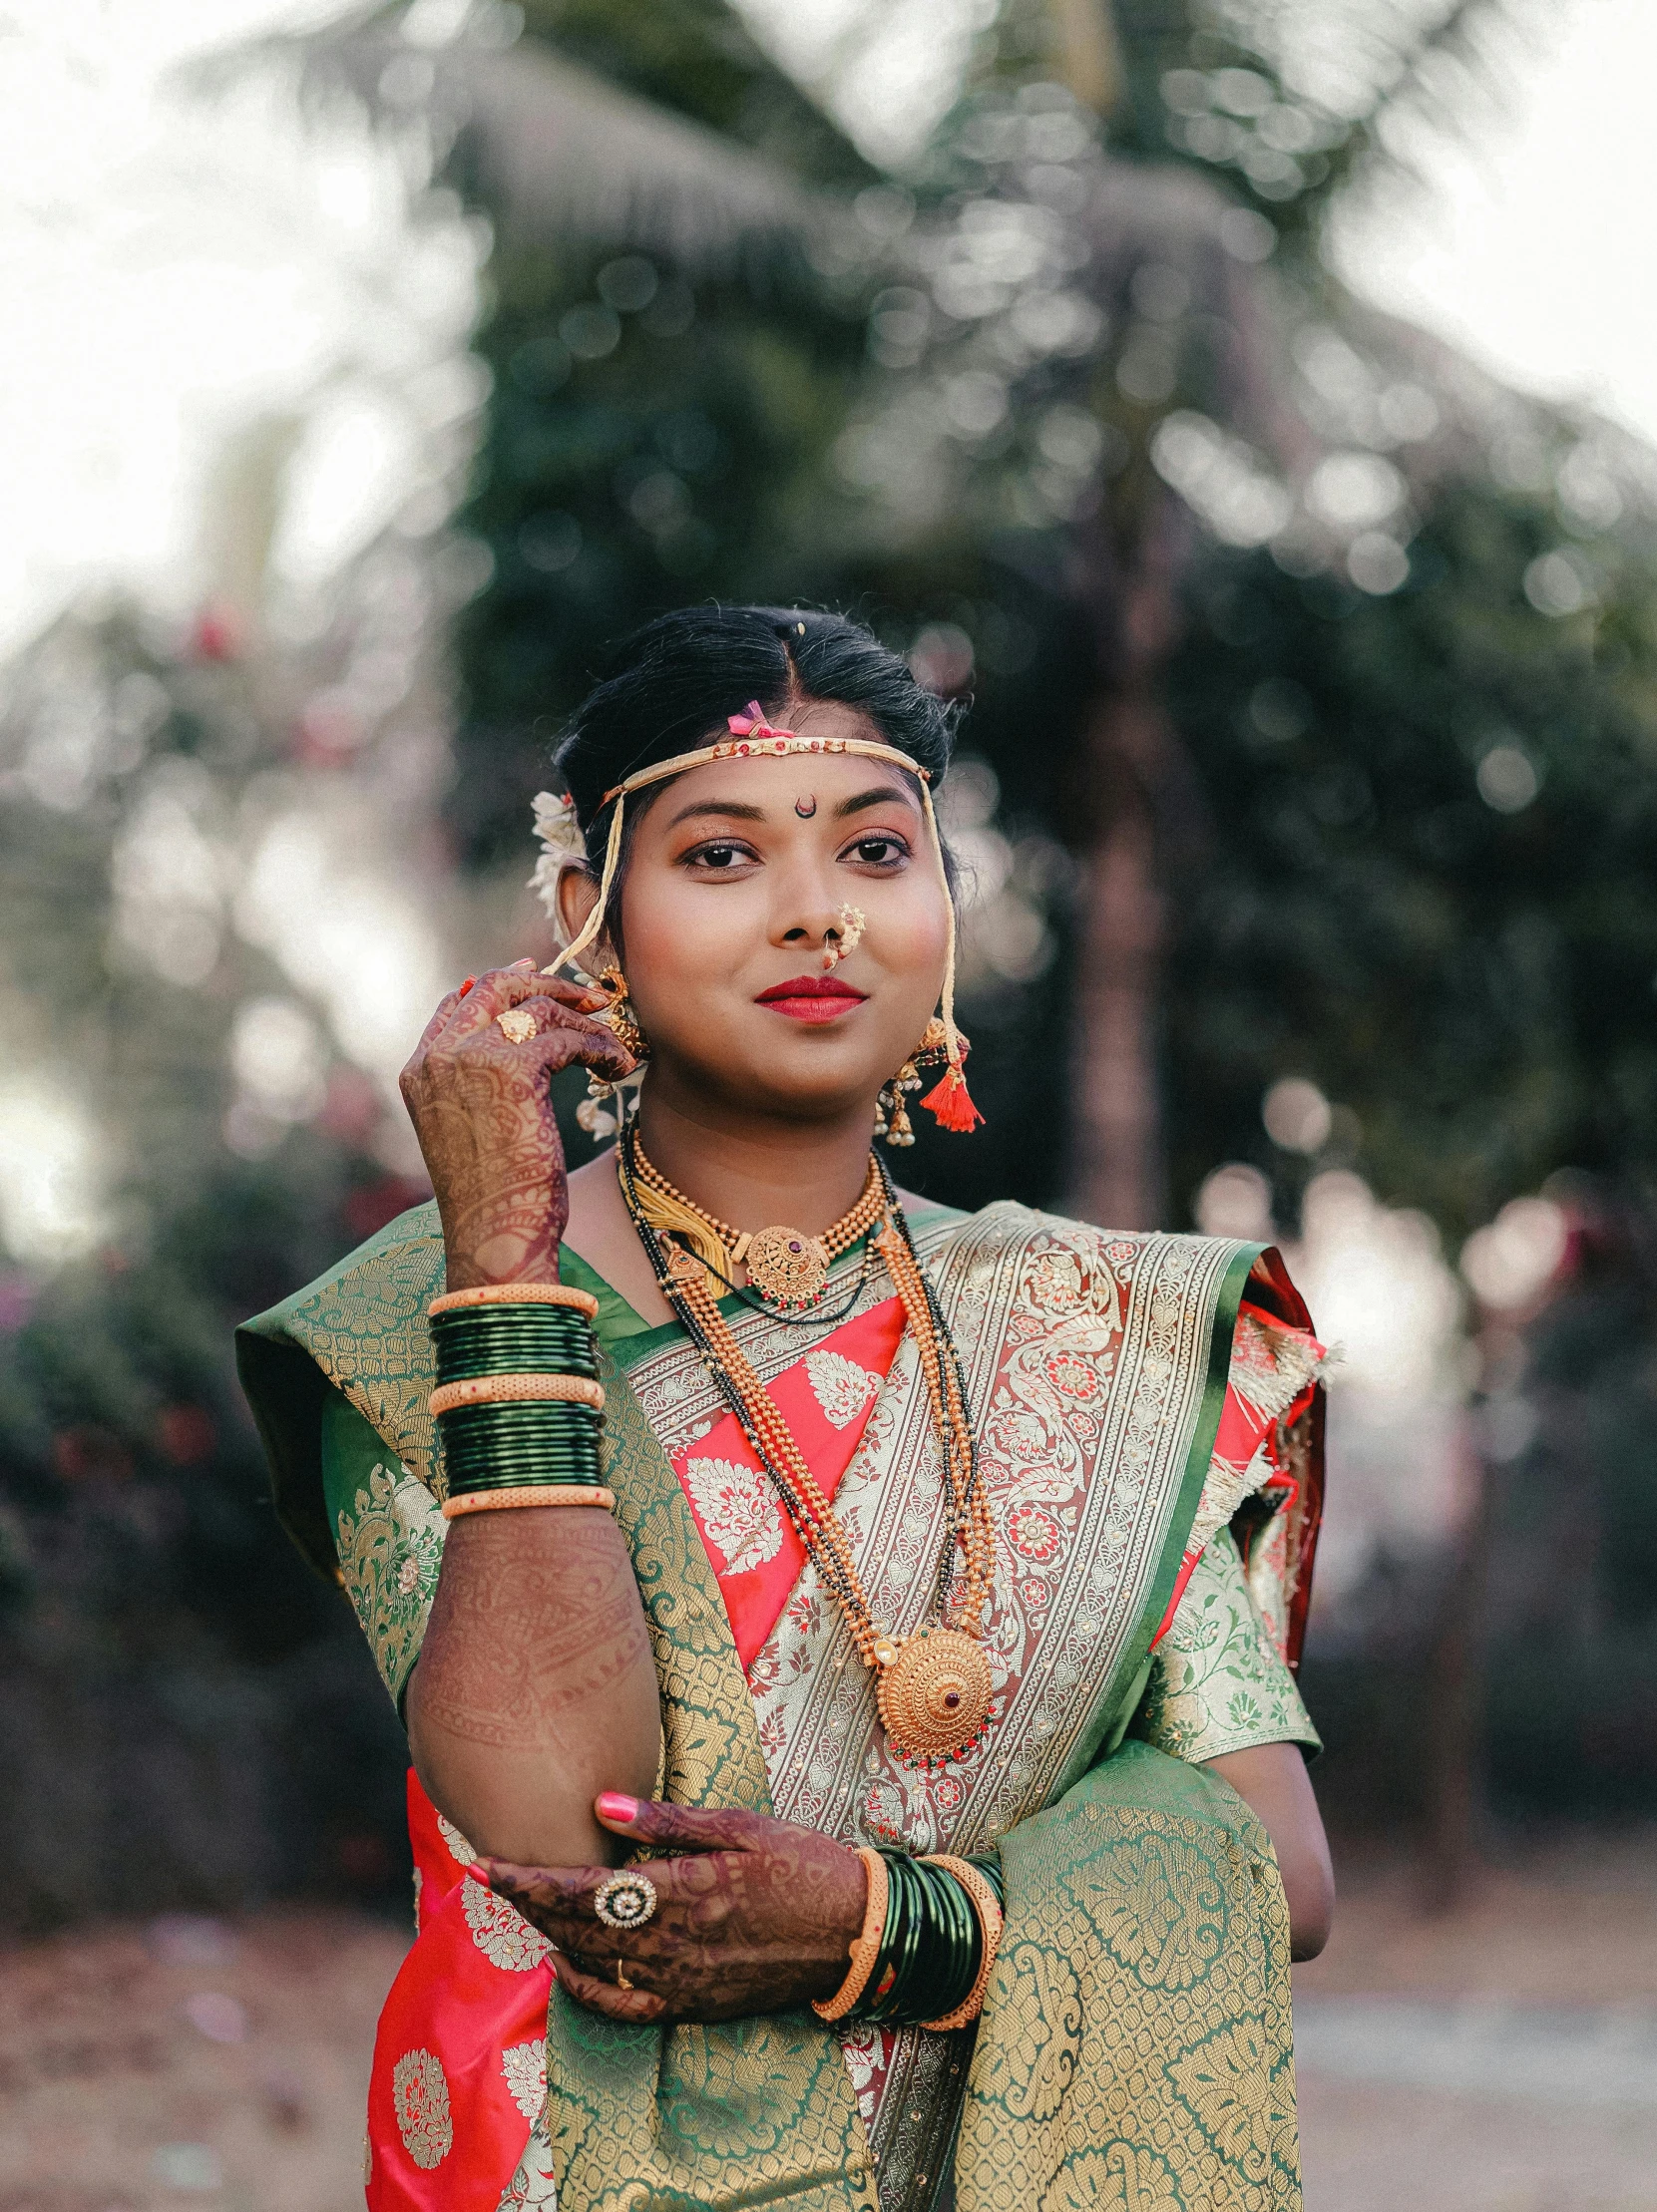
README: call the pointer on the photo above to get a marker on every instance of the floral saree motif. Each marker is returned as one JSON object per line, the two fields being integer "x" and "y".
{"x": 1134, "y": 2050}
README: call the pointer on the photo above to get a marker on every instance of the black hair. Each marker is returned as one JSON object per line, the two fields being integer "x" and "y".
{"x": 672, "y": 686}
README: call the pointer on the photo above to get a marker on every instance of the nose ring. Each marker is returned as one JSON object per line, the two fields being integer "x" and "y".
{"x": 838, "y": 943}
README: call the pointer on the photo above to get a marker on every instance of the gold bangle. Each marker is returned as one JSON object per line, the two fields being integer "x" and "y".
{"x": 865, "y": 1946}
{"x": 515, "y": 1294}
{"x": 534, "y": 1493}
{"x": 978, "y": 1888}
{"x": 525, "y": 1389}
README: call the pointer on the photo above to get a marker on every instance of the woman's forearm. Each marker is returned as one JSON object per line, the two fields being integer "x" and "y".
{"x": 1272, "y": 1781}
{"x": 536, "y": 1688}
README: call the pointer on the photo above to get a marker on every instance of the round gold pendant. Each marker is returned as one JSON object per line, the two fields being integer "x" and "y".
{"x": 934, "y": 1697}
{"x": 785, "y": 1266}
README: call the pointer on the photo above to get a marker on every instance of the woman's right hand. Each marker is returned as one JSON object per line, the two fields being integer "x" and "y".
{"x": 480, "y": 1108}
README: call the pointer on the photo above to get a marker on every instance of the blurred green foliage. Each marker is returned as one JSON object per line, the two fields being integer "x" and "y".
{"x": 1475, "y": 983}
{"x": 189, "y": 1717}
{"x": 1460, "y": 957}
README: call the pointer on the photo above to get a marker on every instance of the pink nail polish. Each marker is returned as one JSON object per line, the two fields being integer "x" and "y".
{"x": 614, "y": 1806}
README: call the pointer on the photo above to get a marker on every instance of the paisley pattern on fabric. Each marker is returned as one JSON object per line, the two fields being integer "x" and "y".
{"x": 525, "y": 2067}
{"x": 500, "y": 1932}
{"x": 463, "y": 1851}
{"x": 421, "y": 2092}
{"x": 1218, "y": 1681}
{"x": 390, "y": 1547}
{"x": 740, "y": 1512}
{"x": 841, "y": 1387}
{"x": 1172, "y": 2089}
{"x": 1117, "y": 2179}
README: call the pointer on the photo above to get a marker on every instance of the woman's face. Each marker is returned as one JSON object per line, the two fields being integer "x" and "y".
{"x": 736, "y": 875}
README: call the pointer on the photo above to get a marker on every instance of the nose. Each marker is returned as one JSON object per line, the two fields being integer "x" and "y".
{"x": 806, "y": 911}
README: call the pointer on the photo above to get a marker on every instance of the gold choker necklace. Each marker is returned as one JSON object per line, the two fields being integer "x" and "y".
{"x": 784, "y": 1264}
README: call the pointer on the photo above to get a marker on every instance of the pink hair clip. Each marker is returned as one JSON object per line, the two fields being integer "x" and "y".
{"x": 753, "y": 723}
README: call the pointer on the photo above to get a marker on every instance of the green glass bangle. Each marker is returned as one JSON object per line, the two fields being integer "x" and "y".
{"x": 463, "y": 1361}
{"x": 575, "y": 1331}
{"x": 497, "y": 1446}
{"x": 526, "y": 1444}
{"x": 930, "y": 1946}
{"x": 949, "y": 1949}
{"x": 461, "y": 1353}
{"x": 491, "y": 1475}
{"x": 521, "y": 1435}
{"x": 518, "y": 1440}
{"x": 491, "y": 1320}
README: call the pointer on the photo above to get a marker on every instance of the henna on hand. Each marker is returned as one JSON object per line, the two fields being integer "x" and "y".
{"x": 758, "y": 1916}
{"x": 485, "y": 1123}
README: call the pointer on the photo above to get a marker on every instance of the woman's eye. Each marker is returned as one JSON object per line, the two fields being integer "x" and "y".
{"x": 717, "y": 856}
{"x": 879, "y": 852}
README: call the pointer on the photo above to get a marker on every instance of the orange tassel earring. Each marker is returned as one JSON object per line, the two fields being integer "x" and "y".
{"x": 949, "y": 1101}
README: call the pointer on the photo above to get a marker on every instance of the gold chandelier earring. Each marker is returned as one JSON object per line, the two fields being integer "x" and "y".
{"x": 594, "y": 1113}
{"x": 892, "y": 1108}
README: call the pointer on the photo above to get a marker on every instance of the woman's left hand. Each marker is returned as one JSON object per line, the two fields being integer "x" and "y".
{"x": 752, "y": 1915}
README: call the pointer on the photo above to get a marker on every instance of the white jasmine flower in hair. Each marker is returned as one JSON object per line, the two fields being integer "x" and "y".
{"x": 562, "y": 843}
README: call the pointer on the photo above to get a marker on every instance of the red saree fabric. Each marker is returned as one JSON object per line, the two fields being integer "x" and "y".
{"x": 460, "y": 2054}
{"x": 826, "y": 1398}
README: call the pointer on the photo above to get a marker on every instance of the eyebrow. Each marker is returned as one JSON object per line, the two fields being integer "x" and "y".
{"x": 731, "y": 810}
{"x": 872, "y": 797}
{"x": 728, "y": 809}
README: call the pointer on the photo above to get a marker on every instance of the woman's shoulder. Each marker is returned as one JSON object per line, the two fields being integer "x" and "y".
{"x": 1005, "y": 1228}
{"x": 390, "y": 1277}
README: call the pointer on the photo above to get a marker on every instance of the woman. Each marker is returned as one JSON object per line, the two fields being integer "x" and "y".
{"x": 916, "y": 1641}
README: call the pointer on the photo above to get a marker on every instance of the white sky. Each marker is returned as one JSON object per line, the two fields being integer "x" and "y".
{"x": 171, "y": 272}
{"x": 1532, "y": 247}
{"x": 168, "y": 274}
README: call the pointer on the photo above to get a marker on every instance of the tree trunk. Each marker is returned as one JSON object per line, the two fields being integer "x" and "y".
{"x": 1117, "y": 1175}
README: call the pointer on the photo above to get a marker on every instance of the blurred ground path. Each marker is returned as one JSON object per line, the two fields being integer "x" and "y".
{"x": 190, "y": 2066}
{"x": 1499, "y": 2057}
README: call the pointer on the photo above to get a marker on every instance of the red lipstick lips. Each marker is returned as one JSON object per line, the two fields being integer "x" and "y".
{"x": 811, "y": 997}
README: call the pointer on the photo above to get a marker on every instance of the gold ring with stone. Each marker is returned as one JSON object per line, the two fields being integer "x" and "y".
{"x": 624, "y": 1900}
{"x": 517, "y": 1024}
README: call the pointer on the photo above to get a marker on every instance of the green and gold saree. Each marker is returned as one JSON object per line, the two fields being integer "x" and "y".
{"x": 1147, "y": 1420}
